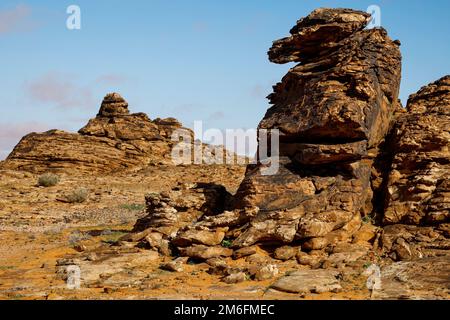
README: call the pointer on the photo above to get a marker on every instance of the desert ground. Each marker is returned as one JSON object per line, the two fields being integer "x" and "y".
{"x": 39, "y": 233}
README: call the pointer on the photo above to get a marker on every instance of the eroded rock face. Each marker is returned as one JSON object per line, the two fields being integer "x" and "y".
{"x": 113, "y": 105}
{"x": 418, "y": 186}
{"x": 171, "y": 219}
{"x": 113, "y": 140}
{"x": 320, "y": 30}
{"x": 418, "y": 190}
{"x": 333, "y": 111}
{"x": 182, "y": 205}
{"x": 114, "y": 121}
{"x": 345, "y": 85}
{"x": 60, "y": 151}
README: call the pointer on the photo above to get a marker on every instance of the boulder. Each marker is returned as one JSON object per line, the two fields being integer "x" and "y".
{"x": 285, "y": 253}
{"x": 266, "y": 272}
{"x": 199, "y": 235}
{"x": 175, "y": 265}
{"x": 235, "y": 278}
{"x": 244, "y": 252}
{"x": 204, "y": 252}
{"x": 309, "y": 281}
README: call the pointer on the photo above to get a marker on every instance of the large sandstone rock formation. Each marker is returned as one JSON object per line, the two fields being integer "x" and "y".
{"x": 419, "y": 182}
{"x": 113, "y": 140}
{"x": 417, "y": 192}
{"x": 348, "y": 153}
{"x": 333, "y": 111}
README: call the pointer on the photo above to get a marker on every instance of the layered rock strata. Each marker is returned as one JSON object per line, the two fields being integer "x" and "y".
{"x": 333, "y": 110}
{"x": 418, "y": 190}
{"x": 417, "y": 193}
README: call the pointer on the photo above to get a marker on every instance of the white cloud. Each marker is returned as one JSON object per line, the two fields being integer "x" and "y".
{"x": 111, "y": 79}
{"x": 60, "y": 91}
{"x": 10, "y": 134}
{"x": 16, "y": 19}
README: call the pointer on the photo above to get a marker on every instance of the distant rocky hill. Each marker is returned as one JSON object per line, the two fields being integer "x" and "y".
{"x": 113, "y": 140}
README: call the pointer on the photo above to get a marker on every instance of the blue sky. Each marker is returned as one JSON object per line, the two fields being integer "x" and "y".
{"x": 191, "y": 59}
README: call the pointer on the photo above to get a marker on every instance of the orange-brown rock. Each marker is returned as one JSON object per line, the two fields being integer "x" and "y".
{"x": 417, "y": 207}
{"x": 345, "y": 85}
{"x": 170, "y": 217}
{"x": 333, "y": 111}
{"x": 64, "y": 152}
{"x": 418, "y": 189}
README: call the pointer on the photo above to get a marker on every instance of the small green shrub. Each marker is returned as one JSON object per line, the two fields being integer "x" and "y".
{"x": 227, "y": 243}
{"x": 133, "y": 207}
{"x": 113, "y": 237}
{"x": 78, "y": 195}
{"x": 48, "y": 180}
{"x": 77, "y": 236}
{"x": 2, "y": 268}
{"x": 368, "y": 219}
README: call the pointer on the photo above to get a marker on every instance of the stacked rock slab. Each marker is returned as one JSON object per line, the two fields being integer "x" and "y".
{"x": 179, "y": 209}
{"x": 114, "y": 140}
{"x": 417, "y": 207}
{"x": 333, "y": 110}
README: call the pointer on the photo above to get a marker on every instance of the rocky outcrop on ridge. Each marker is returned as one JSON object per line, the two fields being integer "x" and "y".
{"x": 115, "y": 122}
{"x": 113, "y": 140}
